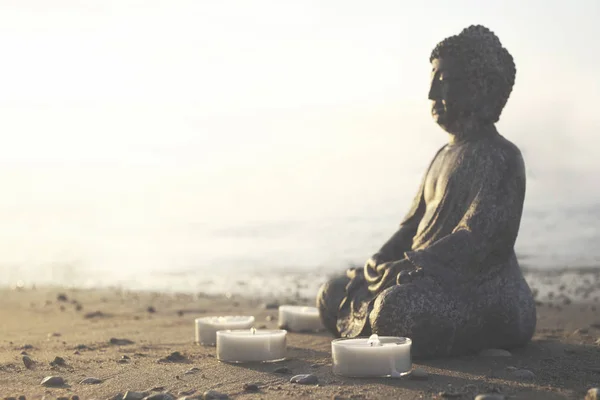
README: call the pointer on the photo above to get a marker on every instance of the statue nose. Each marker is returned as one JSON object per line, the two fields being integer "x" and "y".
{"x": 434, "y": 93}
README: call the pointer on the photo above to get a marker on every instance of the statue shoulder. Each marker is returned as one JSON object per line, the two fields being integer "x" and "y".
{"x": 506, "y": 152}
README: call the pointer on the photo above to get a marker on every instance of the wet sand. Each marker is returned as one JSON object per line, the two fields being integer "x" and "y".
{"x": 77, "y": 325}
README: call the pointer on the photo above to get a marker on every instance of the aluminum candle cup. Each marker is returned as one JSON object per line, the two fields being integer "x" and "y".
{"x": 384, "y": 356}
{"x": 207, "y": 327}
{"x": 242, "y": 346}
{"x": 300, "y": 319}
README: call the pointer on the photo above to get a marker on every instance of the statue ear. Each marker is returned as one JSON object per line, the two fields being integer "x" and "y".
{"x": 490, "y": 95}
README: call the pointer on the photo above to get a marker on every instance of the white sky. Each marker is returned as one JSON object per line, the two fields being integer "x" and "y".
{"x": 138, "y": 82}
{"x": 119, "y": 116}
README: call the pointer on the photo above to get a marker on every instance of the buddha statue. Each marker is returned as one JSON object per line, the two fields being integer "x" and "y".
{"x": 449, "y": 278}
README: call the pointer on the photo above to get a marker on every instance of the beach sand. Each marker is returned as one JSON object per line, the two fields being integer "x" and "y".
{"x": 77, "y": 325}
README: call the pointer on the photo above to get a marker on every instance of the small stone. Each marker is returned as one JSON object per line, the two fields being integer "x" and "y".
{"x": 91, "y": 381}
{"x": 54, "y": 334}
{"x": 272, "y": 306}
{"x": 26, "y": 347}
{"x": 151, "y": 310}
{"x": 21, "y": 398}
{"x": 286, "y": 370}
{"x": 10, "y": 398}
{"x": 62, "y": 398}
{"x": 82, "y": 347}
{"x": 58, "y": 362}
{"x": 251, "y": 387}
{"x": 490, "y": 396}
{"x": 187, "y": 392}
{"x": 160, "y": 396}
{"x": 494, "y": 353}
{"x": 74, "y": 397}
{"x": 53, "y": 381}
{"x": 157, "y": 389}
{"x": 214, "y": 395}
{"x": 593, "y": 394}
{"x": 28, "y": 362}
{"x": 62, "y": 297}
{"x": 418, "y": 374}
{"x": 120, "y": 342}
{"x": 134, "y": 395}
{"x": 192, "y": 371}
{"x": 125, "y": 357}
{"x": 450, "y": 395}
{"x": 94, "y": 314}
{"x": 173, "y": 357}
{"x": 305, "y": 379}
{"x": 523, "y": 374}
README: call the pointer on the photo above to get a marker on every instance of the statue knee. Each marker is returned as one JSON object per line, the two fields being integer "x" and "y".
{"x": 329, "y": 298}
{"x": 388, "y": 315}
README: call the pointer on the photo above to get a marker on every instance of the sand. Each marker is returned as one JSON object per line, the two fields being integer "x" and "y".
{"x": 77, "y": 325}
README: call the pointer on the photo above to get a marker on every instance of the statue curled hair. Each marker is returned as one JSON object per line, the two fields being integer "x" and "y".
{"x": 489, "y": 67}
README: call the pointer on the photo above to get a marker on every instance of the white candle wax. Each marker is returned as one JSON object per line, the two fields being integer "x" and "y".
{"x": 385, "y": 356}
{"x": 207, "y": 327}
{"x": 300, "y": 319}
{"x": 251, "y": 345}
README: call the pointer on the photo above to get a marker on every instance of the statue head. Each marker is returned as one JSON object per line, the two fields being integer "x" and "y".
{"x": 472, "y": 78}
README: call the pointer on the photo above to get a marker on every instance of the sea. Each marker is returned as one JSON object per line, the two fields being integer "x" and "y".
{"x": 272, "y": 213}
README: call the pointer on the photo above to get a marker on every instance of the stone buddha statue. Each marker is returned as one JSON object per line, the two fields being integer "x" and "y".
{"x": 448, "y": 278}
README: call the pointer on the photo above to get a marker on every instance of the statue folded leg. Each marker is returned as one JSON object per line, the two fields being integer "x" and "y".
{"x": 499, "y": 313}
{"x": 329, "y": 298}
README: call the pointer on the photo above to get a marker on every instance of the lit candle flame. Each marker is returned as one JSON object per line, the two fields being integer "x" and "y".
{"x": 253, "y": 331}
{"x": 374, "y": 340}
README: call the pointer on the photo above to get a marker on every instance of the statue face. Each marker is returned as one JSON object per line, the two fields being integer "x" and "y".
{"x": 451, "y": 98}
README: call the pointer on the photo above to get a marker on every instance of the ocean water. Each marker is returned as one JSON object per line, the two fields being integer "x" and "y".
{"x": 263, "y": 233}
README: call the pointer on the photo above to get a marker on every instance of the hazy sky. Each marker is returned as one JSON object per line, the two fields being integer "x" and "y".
{"x": 125, "y": 125}
{"x": 146, "y": 82}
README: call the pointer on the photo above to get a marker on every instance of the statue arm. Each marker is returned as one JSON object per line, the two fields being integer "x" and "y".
{"x": 489, "y": 228}
{"x": 401, "y": 241}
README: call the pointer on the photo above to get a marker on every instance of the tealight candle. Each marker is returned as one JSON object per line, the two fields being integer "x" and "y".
{"x": 239, "y": 346}
{"x": 384, "y": 356}
{"x": 207, "y": 327}
{"x": 299, "y": 319}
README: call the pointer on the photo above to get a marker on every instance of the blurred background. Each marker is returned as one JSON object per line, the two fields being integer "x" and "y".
{"x": 216, "y": 146}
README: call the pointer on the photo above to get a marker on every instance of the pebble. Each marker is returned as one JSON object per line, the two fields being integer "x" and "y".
{"x": 53, "y": 381}
{"x": 593, "y": 394}
{"x": 173, "y": 357}
{"x": 120, "y": 342}
{"x": 58, "y": 361}
{"x": 151, "y": 310}
{"x": 74, "y": 397}
{"x": 186, "y": 392}
{"x": 523, "y": 374}
{"x": 160, "y": 396}
{"x": 494, "y": 353}
{"x": 305, "y": 379}
{"x": 192, "y": 371}
{"x": 21, "y": 398}
{"x": 272, "y": 306}
{"x": 94, "y": 314}
{"x": 28, "y": 362}
{"x": 450, "y": 395}
{"x": 62, "y": 297}
{"x": 91, "y": 381}
{"x": 418, "y": 374}
{"x": 286, "y": 370}
{"x": 134, "y": 395}
{"x": 490, "y": 396}
{"x": 214, "y": 395}
{"x": 251, "y": 387}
